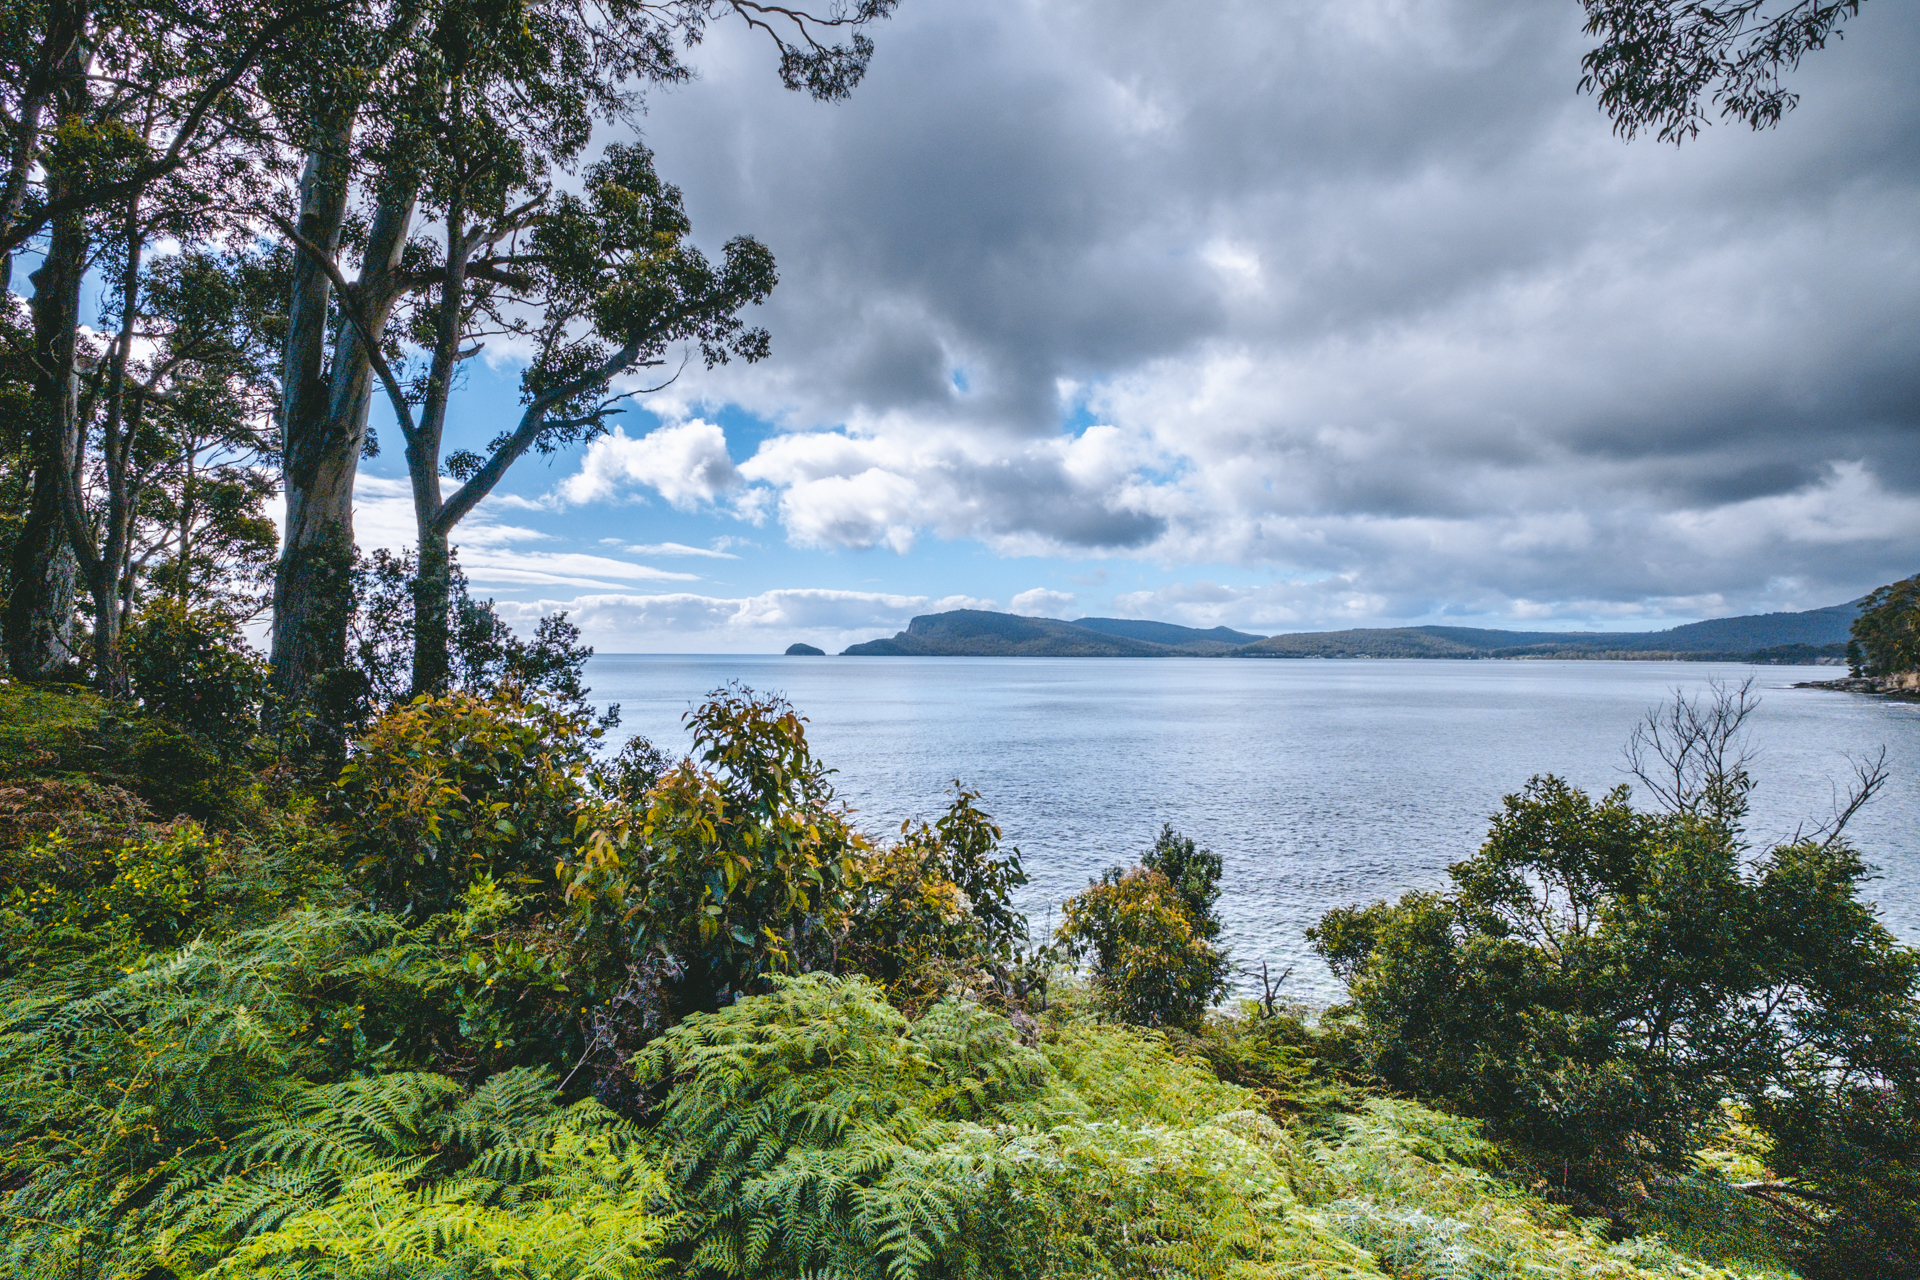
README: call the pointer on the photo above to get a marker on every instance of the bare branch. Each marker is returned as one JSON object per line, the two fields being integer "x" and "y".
{"x": 1693, "y": 754}
{"x": 1870, "y": 773}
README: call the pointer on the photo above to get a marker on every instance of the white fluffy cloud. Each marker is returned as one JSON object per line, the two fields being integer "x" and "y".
{"x": 686, "y": 463}
{"x": 1042, "y": 602}
{"x": 762, "y": 623}
{"x": 881, "y": 483}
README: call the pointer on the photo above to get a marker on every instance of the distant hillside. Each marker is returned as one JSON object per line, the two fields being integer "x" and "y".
{"x": 1167, "y": 633}
{"x": 1771, "y": 637}
{"x": 977, "y": 633}
{"x": 1767, "y": 637}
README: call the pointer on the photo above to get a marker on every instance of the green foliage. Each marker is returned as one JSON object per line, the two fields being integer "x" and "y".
{"x": 729, "y": 873}
{"x": 1885, "y": 640}
{"x": 445, "y": 790}
{"x": 202, "y": 1075}
{"x": 193, "y": 669}
{"x": 485, "y": 655}
{"x": 1298, "y": 1065}
{"x": 1659, "y": 66}
{"x": 934, "y": 910}
{"x": 63, "y": 732}
{"x": 1599, "y": 980}
{"x": 137, "y": 894}
{"x": 1152, "y": 956}
{"x": 123, "y": 1085}
{"x": 818, "y": 1130}
{"x": 1422, "y": 1192}
{"x": 1849, "y": 1148}
{"x": 1601, "y": 983}
{"x": 588, "y": 1217}
{"x": 1194, "y": 874}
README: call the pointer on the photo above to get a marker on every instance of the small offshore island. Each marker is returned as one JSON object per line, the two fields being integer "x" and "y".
{"x": 1814, "y": 637}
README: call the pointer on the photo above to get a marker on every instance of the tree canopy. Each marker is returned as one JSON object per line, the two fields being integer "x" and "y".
{"x": 1666, "y": 66}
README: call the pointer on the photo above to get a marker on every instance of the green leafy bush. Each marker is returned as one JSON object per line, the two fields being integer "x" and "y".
{"x": 933, "y": 911}
{"x": 140, "y": 893}
{"x": 67, "y": 733}
{"x": 726, "y": 874}
{"x": 1600, "y": 983}
{"x": 191, "y": 668}
{"x": 443, "y": 791}
{"x": 1151, "y": 956}
{"x": 1194, "y": 874}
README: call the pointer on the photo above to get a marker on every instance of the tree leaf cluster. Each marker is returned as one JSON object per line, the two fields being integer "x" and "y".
{"x": 1148, "y": 932}
{"x": 1601, "y": 984}
{"x": 1885, "y": 640}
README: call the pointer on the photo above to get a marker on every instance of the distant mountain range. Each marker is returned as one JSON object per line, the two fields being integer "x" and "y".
{"x": 1812, "y": 636}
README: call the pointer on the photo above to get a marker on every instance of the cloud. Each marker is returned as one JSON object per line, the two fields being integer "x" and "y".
{"x": 1040, "y": 602}
{"x": 491, "y": 553}
{"x": 1360, "y": 299}
{"x": 766, "y": 622}
{"x": 686, "y": 463}
{"x": 879, "y": 486}
{"x": 675, "y": 549}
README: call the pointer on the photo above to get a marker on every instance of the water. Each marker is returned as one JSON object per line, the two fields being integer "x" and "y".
{"x": 1319, "y": 783}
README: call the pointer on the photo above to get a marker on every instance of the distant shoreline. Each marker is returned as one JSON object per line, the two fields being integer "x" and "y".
{"x": 1901, "y": 688}
{"x": 1817, "y": 637}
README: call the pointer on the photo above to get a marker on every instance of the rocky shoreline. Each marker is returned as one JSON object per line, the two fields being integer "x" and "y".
{"x": 1905, "y": 686}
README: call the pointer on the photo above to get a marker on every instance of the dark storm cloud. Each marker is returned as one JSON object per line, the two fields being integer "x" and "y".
{"x": 1369, "y": 296}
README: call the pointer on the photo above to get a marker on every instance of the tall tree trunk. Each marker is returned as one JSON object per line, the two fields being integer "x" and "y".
{"x": 66, "y": 25}
{"x": 107, "y": 567}
{"x": 313, "y": 585}
{"x": 432, "y": 592}
{"x": 432, "y": 665}
{"x": 40, "y": 619}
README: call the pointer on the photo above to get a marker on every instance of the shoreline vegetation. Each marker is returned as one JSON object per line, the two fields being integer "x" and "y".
{"x": 481, "y": 999}
{"x": 1815, "y": 637}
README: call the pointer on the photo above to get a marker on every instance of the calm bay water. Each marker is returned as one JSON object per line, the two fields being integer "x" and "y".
{"x": 1319, "y": 783}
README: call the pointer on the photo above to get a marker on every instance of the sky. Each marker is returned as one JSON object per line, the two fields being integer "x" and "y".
{"x": 1280, "y": 314}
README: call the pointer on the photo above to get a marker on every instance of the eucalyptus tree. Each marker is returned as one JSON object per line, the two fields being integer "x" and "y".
{"x": 435, "y": 80}
{"x": 119, "y": 119}
{"x": 174, "y": 416}
{"x": 1661, "y": 64}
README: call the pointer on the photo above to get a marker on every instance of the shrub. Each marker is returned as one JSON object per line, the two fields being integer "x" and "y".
{"x": 1600, "y": 980}
{"x": 140, "y": 893}
{"x": 70, "y": 734}
{"x": 1149, "y": 960}
{"x": 1600, "y": 983}
{"x": 1194, "y": 874}
{"x": 445, "y": 790}
{"x": 1854, "y": 1142}
{"x": 727, "y": 874}
{"x": 934, "y": 910}
{"x": 191, "y": 668}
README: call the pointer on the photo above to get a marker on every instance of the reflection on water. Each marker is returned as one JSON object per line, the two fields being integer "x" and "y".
{"x": 1318, "y": 782}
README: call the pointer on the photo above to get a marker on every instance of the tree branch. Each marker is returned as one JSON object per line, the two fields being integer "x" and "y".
{"x": 176, "y": 154}
{"x": 350, "y": 303}
{"x": 532, "y": 422}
